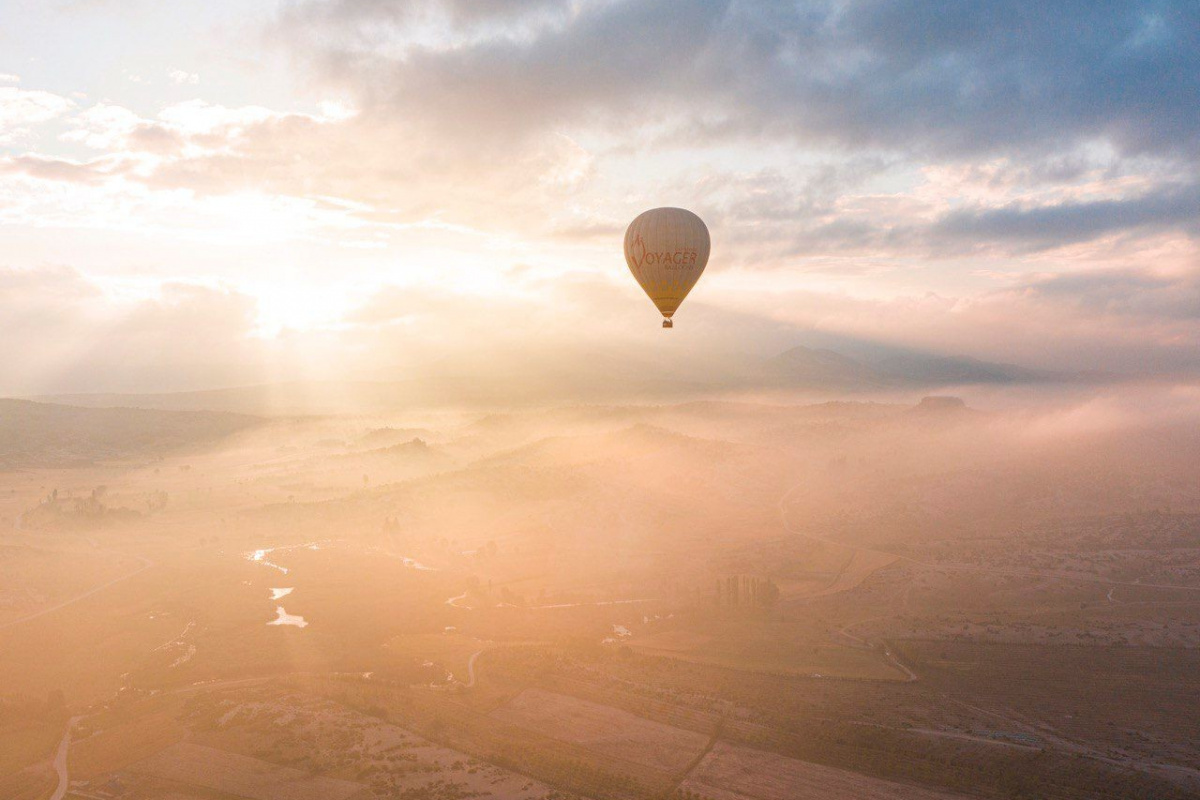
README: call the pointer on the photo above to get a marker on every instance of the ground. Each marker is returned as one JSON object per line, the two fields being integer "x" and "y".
{"x": 517, "y": 604}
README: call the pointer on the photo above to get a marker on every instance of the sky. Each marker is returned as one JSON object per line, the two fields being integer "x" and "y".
{"x": 205, "y": 194}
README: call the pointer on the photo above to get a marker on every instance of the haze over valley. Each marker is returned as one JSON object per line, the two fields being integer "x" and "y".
{"x": 599, "y": 400}
{"x": 627, "y": 600}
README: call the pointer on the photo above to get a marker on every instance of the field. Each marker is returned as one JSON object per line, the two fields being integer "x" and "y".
{"x": 860, "y": 566}
{"x": 24, "y": 745}
{"x": 282, "y": 725}
{"x": 116, "y": 747}
{"x": 513, "y": 604}
{"x": 729, "y": 772}
{"x": 782, "y": 648}
{"x": 608, "y": 731}
{"x": 229, "y": 773}
{"x": 450, "y": 656}
{"x": 1114, "y": 703}
{"x": 34, "y": 580}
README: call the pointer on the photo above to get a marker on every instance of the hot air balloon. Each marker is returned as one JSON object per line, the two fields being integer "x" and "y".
{"x": 666, "y": 249}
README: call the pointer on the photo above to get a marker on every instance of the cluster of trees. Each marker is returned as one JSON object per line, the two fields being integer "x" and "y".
{"x": 572, "y": 774}
{"x": 89, "y": 509}
{"x": 746, "y": 591}
{"x": 156, "y": 501}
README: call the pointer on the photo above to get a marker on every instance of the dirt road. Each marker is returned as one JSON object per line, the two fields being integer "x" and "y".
{"x": 146, "y": 564}
{"x": 60, "y": 761}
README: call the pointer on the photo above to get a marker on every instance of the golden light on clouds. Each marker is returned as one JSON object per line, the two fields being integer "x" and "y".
{"x": 311, "y": 159}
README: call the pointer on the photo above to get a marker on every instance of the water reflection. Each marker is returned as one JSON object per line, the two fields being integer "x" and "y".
{"x": 284, "y": 618}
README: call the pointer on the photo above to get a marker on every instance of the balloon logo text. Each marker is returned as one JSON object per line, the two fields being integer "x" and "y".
{"x": 667, "y": 259}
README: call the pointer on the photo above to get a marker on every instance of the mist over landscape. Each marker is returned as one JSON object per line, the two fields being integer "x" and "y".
{"x": 599, "y": 399}
{"x": 841, "y": 597}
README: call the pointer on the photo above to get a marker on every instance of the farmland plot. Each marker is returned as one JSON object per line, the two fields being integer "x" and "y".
{"x": 243, "y": 776}
{"x": 730, "y": 772}
{"x": 602, "y": 729}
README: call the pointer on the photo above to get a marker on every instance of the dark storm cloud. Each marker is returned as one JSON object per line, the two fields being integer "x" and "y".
{"x": 945, "y": 77}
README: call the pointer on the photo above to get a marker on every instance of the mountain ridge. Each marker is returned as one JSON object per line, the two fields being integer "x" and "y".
{"x": 857, "y": 368}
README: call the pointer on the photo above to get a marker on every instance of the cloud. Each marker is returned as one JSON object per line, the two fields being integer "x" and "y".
{"x": 1130, "y": 320}
{"x": 917, "y": 77}
{"x": 198, "y": 335}
{"x": 1028, "y": 131}
{"x": 56, "y": 169}
{"x": 183, "y": 77}
{"x": 21, "y": 110}
{"x": 1168, "y": 206}
{"x": 44, "y": 315}
{"x": 1126, "y": 293}
{"x": 104, "y": 126}
{"x": 365, "y": 18}
{"x": 18, "y": 286}
{"x": 1012, "y": 181}
{"x": 60, "y": 331}
{"x": 1052, "y": 99}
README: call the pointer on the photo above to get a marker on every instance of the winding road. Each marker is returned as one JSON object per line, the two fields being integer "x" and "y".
{"x": 471, "y": 669}
{"x": 18, "y": 525}
{"x": 60, "y": 761}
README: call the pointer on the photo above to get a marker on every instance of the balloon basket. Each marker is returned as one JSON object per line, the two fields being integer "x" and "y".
{"x": 668, "y": 323}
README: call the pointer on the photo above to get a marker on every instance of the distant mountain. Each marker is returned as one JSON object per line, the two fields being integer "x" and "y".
{"x": 877, "y": 368}
{"x": 384, "y": 438}
{"x": 394, "y": 462}
{"x": 834, "y": 366}
{"x": 48, "y": 435}
{"x": 939, "y": 405}
{"x": 414, "y": 449}
{"x": 824, "y": 369}
{"x": 317, "y": 398}
{"x": 942, "y": 409}
{"x": 293, "y": 398}
{"x": 955, "y": 370}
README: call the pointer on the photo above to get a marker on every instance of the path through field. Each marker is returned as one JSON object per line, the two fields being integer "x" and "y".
{"x": 471, "y": 669}
{"x": 60, "y": 761}
{"x": 146, "y": 564}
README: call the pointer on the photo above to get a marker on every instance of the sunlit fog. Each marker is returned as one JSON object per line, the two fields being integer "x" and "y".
{"x": 599, "y": 400}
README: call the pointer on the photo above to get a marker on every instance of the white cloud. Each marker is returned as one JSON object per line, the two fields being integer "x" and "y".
{"x": 21, "y": 109}
{"x": 103, "y": 126}
{"x": 200, "y": 117}
{"x": 183, "y": 77}
{"x": 60, "y": 331}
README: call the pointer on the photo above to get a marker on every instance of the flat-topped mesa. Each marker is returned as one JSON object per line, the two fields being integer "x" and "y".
{"x": 941, "y": 403}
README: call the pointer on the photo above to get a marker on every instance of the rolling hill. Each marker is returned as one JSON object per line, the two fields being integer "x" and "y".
{"x": 50, "y": 435}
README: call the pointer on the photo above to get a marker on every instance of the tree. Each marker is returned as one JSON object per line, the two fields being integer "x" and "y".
{"x": 156, "y": 501}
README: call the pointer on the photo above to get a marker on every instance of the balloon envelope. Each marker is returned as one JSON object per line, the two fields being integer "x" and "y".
{"x": 667, "y": 249}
